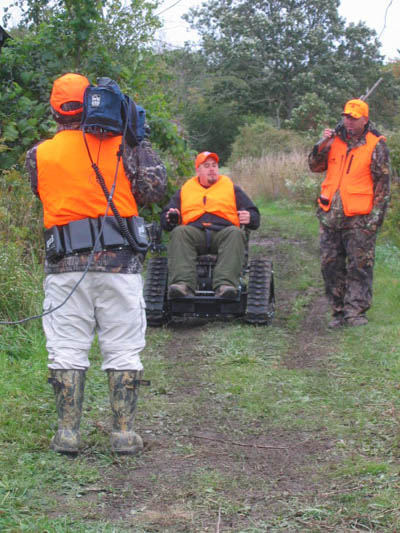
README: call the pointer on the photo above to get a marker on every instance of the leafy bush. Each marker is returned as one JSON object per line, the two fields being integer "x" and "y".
{"x": 393, "y": 142}
{"x": 391, "y": 226}
{"x": 310, "y": 116}
{"x": 260, "y": 139}
{"x": 213, "y": 127}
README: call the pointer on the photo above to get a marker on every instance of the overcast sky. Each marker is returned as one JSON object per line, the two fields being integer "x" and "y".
{"x": 381, "y": 15}
{"x": 372, "y": 12}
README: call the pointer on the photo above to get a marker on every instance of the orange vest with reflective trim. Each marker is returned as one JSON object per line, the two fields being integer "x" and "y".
{"x": 219, "y": 200}
{"x": 351, "y": 174}
{"x": 67, "y": 183}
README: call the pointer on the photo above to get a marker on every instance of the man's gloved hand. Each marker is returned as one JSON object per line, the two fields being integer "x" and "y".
{"x": 173, "y": 217}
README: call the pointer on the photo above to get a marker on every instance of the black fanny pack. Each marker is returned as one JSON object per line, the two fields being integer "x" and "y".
{"x": 81, "y": 236}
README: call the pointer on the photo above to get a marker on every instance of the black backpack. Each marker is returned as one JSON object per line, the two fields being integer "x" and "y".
{"x": 107, "y": 109}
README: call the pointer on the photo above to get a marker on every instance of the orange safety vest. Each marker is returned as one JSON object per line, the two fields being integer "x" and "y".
{"x": 351, "y": 174}
{"x": 67, "y": 183}
{"x": 219, "y": 199}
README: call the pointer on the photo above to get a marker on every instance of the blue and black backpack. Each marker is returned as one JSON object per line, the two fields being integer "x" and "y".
{"x": 107, "y": 109}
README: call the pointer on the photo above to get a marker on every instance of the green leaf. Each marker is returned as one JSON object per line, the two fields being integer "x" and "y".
{"x": 10, "y": 132}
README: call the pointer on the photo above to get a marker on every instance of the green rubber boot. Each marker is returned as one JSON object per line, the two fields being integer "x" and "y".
{"x": 124, "y": 388}
{"x": 68, "y": 387}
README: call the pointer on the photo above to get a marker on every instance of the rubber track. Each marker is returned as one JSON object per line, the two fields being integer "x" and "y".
{"x": 154, "y": 290}
{"x": 260, "y": 292}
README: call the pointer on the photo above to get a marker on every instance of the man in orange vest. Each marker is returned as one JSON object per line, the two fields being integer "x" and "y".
{"x": 209, "y": 211}
{"x": 351, "y": 208}
{"x": 100, "y": 292}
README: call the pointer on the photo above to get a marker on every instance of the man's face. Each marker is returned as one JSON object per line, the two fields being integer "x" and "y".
{"x": 208, "y": 172}
{"x": 354, "y": 126}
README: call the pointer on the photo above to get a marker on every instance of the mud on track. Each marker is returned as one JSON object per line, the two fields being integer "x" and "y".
{"x": 207, "y": 469}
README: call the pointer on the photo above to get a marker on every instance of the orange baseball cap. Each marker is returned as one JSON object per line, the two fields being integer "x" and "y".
{"x": 68, "y": 88}
{"x": 203, "y": 156}
{"x": 356, "y": 108}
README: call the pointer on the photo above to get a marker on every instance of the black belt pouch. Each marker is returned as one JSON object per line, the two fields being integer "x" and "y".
{"x": 137, "y": 228}
{"x": 111, "y": 236}
{"x": 53, "y": 244}
{"x": 80, "y": 235}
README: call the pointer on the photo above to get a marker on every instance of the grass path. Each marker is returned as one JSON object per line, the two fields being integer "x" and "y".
{"x": 247, "y": 429}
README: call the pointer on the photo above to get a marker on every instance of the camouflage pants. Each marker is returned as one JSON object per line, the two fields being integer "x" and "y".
{"x": 347, "y": 263}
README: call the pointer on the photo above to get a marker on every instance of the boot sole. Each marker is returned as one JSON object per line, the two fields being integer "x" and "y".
{"x": 64, "y": 451}
{"x": 127, "y": 452}
{"x": 61, "y": 445}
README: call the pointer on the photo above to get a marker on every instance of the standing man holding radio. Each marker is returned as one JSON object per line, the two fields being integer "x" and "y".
{"x": 108, "y": 299}
{"x": 352, "y": 206}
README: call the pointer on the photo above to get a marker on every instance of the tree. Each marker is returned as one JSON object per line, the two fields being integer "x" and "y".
{"x": 280, "y": 50}
{"x": 97, "y": 38}
{"x": 209, "y": 124}
{"x": 95, "y": 25}
{"x": 310, "y": 116}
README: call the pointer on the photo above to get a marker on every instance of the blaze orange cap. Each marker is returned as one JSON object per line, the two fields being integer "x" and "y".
{"x": 356, "y": 108}
{"x": 68, "y": 88}
{"x": 203, "y": 156}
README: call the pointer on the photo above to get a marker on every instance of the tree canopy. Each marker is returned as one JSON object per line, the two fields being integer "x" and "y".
{"x": 94, "y": 37}
{"x": 278, "y": 51}
{"x": 292, "y": 62}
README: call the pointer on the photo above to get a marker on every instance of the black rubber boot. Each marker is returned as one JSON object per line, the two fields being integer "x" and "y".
{"x": 68, "y": 387}
{"x": 124, "y": 388}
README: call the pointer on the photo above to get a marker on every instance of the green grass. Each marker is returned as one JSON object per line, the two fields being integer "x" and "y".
{"x": 350, "y": 399}
{"x": 290, "y": 220}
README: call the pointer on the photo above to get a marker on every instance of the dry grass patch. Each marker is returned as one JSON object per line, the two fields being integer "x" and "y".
{"x": 279, "y": 175}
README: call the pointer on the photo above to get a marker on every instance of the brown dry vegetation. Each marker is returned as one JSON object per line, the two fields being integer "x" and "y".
{"x": 278, "y": 175}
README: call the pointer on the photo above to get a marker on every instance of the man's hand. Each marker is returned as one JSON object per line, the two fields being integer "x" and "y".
{"x": 328, "y": 133}
{"x": 173, "y": 216}
{"x": 328, "y": 136}
{"x": 244, "y": 217}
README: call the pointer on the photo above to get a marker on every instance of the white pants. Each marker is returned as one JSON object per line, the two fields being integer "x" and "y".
{"x": 110, "y": 304}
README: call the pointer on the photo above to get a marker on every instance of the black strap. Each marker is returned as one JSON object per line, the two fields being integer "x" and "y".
{"x": 207, "y": 232}
{"x": 109, "y": 195}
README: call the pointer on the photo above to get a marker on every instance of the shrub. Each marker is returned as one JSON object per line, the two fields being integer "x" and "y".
{"x": 391, "y": 225}
{"x": 393, "y": 142}
{"x": 260, "y": 139}
{"x": 310, "y": 116}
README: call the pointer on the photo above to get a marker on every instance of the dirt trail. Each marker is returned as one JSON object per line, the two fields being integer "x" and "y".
{"x": 254, "y": 470}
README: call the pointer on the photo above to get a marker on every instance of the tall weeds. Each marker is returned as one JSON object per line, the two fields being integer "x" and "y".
{"x": 278, "y": 175}
{"x": 21, "y": 247}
